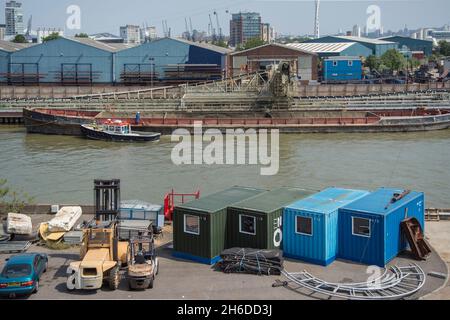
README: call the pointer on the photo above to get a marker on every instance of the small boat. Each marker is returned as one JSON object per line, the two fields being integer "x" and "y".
{"x": 116, "y": 130}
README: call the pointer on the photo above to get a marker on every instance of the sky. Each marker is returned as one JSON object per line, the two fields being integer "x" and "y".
{"x": 293, "y": 17}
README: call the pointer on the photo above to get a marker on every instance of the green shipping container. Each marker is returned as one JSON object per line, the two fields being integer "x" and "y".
{"x": 256, "y": 223}
{"x": 199, "y": 226}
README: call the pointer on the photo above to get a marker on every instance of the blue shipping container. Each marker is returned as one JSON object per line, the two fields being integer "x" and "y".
{"x": 369, "y": 229}
{"x": 342, "y": 69}
{"x": 310, "y": 226}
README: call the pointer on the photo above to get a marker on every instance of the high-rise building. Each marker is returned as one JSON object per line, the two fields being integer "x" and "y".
{"x": 2, "y": 31}
{"x": 356, "y": 31}
{"x": 244, "y": 26}
{"x": 267, "y": 33}
{"x": 148, "y": 34}
{"x": 130, "y": 34}
{"x": 14, "y": 18}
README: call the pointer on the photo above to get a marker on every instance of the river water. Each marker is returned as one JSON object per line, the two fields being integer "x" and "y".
{"x": 61, "y": 169}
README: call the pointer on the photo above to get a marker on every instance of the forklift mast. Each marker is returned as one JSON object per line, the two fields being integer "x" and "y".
{"x": 107, "y": 199}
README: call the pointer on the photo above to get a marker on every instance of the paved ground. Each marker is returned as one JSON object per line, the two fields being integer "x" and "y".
{"x": 180, "y": 279}
{"x": 438, "y": 235}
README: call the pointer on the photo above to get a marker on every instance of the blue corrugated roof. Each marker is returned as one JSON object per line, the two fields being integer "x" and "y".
{"x": 328, "y": 200}
{"x": 377, "y": 201}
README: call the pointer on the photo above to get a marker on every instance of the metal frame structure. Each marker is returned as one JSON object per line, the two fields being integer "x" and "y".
{"x": 70, "y": 73}
{"x": 22, "y": 77}
{"x": 395, "y": 283}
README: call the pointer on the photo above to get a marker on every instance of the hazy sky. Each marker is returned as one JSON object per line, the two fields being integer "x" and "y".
{"x": 287, "y": 16}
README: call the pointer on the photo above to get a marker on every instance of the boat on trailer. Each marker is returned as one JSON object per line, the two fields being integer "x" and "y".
{"x": 116, "y": 130}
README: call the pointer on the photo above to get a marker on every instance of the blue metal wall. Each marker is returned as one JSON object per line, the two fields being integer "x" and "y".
{"x": 342, "y": 72}
{"x": 413, "y": 44}
{"x": 322, "y": 246}
{"x": 385, "y": 241}
{"x": 164, "y": 52}
{"x": 52, "y": 54}
{"x": 4, "y": 62}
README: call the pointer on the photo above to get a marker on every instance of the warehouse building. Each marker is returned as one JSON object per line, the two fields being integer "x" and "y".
{"x": 67, "y": 61}
{"x": 326, "y": 50}
{"x": 170, "y": 61}
{"x": 6, "y": 50}
{"x": 378, "y": 47}
{"x": 257, "y": 59}
{"x": 410, "y": 44}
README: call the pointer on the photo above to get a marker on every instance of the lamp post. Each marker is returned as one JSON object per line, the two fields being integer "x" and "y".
{"x": 152, "y": 64}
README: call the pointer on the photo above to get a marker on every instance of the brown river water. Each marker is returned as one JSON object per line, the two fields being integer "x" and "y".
{"x": 61, "y": 169}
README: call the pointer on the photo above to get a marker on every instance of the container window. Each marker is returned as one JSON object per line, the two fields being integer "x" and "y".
{"x": 361, "y": 227}
{"x": 191, "y": 224}
{"x": 350, "y": 63}
{"x": 335, "y": 63}
{"x": 247, "y": 224}
{"x": 303, "y": 225}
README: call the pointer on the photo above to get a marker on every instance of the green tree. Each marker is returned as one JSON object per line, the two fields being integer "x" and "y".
{"x": 20, "y": 38}
{"x": 373, "y": 63}
{"x": 12, "y": 200}
{"x": 220, "y": 43}
{"x": 393, "y": 60}
{"x": 251, "y": 43}
{"x": 444, "y": 48}
{"x": 82, "y": 35}
{"x": 51, "y": 37}
{"x": 413, "y": 63}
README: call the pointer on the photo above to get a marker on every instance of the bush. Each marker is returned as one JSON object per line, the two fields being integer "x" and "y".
{"x": 12, "y": 200}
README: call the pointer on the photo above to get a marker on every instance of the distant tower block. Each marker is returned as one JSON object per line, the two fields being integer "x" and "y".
{"x": 316, "y": 21}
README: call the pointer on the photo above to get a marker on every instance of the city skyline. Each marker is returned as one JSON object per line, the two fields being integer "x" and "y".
{"x": 280, "y": 14}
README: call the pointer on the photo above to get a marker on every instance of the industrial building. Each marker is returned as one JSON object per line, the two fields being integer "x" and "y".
{"x": 410, "y": 44}
{"x": 6, "y": 50}
{"x": 370, "y": 228}
{"x": 199, "y": 226}
{"x": 256, "y": 222}
{"x": 257, "y": 59}
{"x": 325, "y": 50}
{"x": 310, "y": 226}
{"x": 67, "y": 61}
{"x": 170, "y": 61}
{"x": 378, "y": 47}
{"x": 337, "y": 69}
{"x": 83, "y": 61}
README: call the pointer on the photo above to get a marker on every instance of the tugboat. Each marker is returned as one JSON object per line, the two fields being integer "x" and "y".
{"x": 116, "y": 130}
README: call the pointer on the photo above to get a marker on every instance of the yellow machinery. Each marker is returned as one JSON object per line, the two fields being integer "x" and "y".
{"x": 101, "y": 254}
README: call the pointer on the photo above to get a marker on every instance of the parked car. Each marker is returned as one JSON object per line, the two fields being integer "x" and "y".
{"x": 22, "y": 273}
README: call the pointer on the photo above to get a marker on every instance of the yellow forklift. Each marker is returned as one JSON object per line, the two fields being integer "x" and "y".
{"x": 101, "y": 254}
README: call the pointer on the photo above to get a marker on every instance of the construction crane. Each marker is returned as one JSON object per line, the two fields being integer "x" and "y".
{"x": 188, "y": 33}
{"x": 192, "y": 30}
{"x": 316, "y": 21}
{"x": 219, "y": 29}
{"x": 166, "y": 30}
{"x": 213, "y": 30}
{"x": 28, "y": 33}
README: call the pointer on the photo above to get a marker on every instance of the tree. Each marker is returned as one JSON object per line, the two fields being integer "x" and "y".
{"x": 51, "y": 37}
{"x": 251, "y": 43}
{"x": 220, "y": 43}
{"x": 373, "y": 63}
{"x": 81, "y": 35}
{"x": 20, "y": 38}
{"x": 12, "y": 200}
{"x": 393, "y": 60}
{"x": 444, "y": 48}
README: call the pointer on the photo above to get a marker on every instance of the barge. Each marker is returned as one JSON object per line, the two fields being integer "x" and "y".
{"x": 68, "y": 122}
